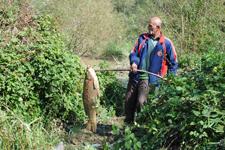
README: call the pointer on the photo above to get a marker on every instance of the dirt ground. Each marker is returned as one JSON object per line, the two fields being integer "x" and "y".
{"x": 81, "y": 138}
{"x": 113, "y": 63}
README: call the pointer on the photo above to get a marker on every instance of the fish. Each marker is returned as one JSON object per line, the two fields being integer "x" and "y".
{"x": 91, "y": 92}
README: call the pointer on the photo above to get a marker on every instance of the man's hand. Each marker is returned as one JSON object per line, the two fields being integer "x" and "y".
{"x": 133, "y": 67}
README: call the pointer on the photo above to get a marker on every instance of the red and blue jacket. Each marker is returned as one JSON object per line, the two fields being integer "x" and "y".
{"x": 163, "y": 58}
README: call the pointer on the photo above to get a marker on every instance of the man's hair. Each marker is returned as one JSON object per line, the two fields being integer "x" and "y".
{"x": 156, "y": 20}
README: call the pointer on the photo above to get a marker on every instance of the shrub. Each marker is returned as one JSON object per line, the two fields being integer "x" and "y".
{"x": 37, "y": 75}
{"x": 189, "y": 111}
{"x": 112, "y": 91}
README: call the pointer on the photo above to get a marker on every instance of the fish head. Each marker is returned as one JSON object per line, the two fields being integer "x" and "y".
{"x": 91, "y": 75}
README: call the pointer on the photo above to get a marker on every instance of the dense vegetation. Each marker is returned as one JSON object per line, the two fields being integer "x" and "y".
{"x": 41, "y": 77}
{"x": 193, "y": 25}
{"x": 111, "y": 27}
{"x": 38, "y": 76}
{"x": 187, "y": 112}
{"x": 89, "y": 27}
{"x": 40, "y": 80}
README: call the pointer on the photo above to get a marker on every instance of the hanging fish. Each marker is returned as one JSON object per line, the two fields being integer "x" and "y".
{"x": 90, "y": 95}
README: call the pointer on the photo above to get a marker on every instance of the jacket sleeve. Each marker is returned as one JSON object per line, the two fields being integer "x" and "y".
{"x": 171, "y": 58}
{"x": 134, "y": 57}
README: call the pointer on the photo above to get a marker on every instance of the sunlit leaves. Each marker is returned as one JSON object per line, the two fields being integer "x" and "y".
{"x": 39, "y": 77}
{"x": 191, "y": 104}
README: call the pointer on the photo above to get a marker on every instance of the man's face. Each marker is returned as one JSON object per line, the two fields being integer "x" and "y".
{"x": 152, "y": 28}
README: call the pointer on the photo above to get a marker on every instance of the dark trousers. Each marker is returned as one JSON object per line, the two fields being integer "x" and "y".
{"x": 136, "y": 96}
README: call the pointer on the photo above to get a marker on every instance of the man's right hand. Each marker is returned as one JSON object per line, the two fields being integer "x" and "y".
{"x": 133, "y": 67}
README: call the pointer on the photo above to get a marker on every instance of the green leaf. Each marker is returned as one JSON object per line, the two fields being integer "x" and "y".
{"x": 15, "y": 40}
{"x": 196, "y": 113}
{"x": 220, "y": 128}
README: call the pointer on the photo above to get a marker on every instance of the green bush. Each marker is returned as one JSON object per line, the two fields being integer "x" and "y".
{"x": 129, "y": 142}
{"x": 189, "y": 110}
{"x": 38, "y": 77}
{"x": 112, "y": 91}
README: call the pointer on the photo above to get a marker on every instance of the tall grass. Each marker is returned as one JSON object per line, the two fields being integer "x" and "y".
{"x": 15, "y": 133}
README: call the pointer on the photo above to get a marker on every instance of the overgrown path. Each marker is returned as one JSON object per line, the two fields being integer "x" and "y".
{"x": 80, "y": 138}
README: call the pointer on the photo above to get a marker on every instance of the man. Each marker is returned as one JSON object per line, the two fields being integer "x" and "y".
{"x": 152, "y": 52}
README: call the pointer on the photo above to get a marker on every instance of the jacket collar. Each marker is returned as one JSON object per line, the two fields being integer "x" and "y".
{"x": 161, "y": 38}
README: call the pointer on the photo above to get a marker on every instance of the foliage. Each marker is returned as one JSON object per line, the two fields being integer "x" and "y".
{"x": 129, "y": 142}
{"x": 194, "y": 25}
{"x": 189, "y": 111}
{"x": 15, "y": 133}
{"x": 37, "y": 75}
{"x": 113, "y": 51}
{"x": 88, "y": 25}
{"x": 124, "y": 6}
{"x": 41, "y": 80}
{"x": 92, "y": 26}
{"x": 112, "y": 91}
